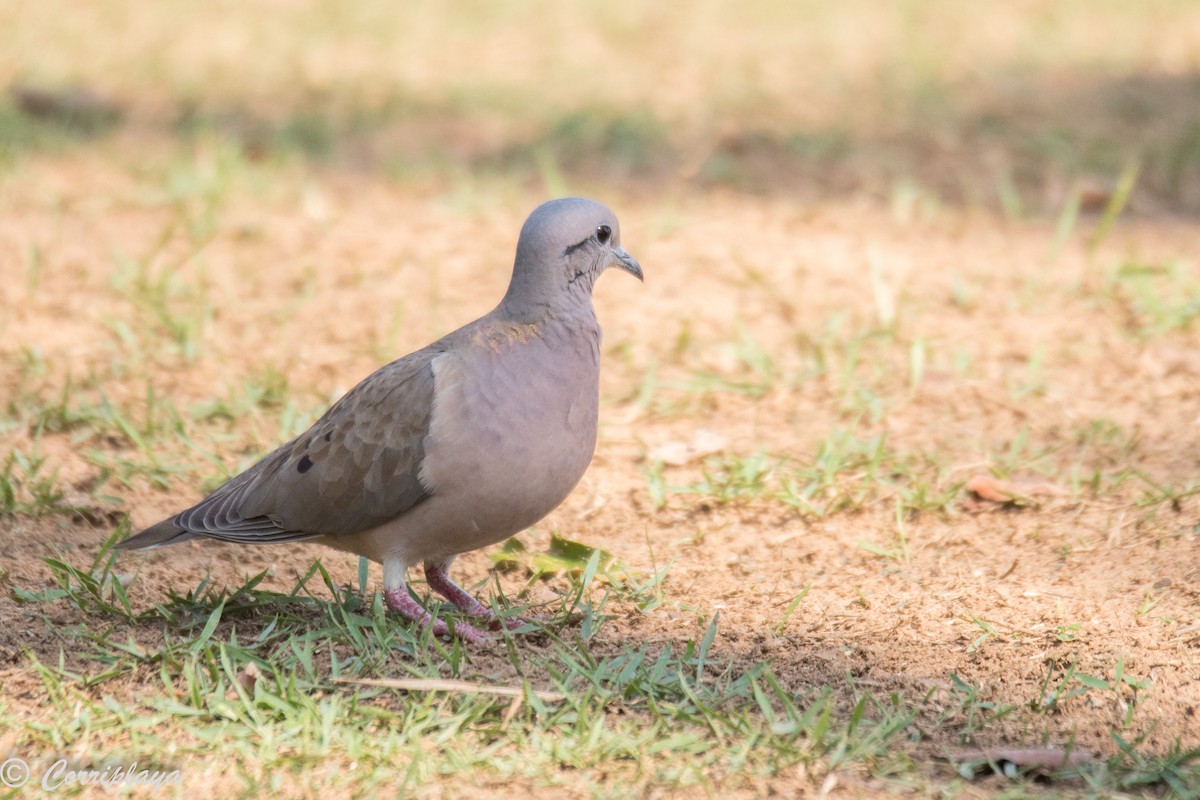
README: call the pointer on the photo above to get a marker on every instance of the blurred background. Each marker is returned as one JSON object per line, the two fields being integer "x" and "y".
{"x": 1005, "y": 107}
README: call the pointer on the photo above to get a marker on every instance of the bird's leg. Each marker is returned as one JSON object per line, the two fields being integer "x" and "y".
{"x": 439, "y": 580}
{"x": 395, "y": 592}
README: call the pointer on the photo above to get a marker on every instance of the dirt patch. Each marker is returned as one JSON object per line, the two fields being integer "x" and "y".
{"x": 966, "y": 345}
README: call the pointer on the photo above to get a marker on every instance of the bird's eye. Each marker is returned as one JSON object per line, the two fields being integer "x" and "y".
{"x": 603, "y": 233}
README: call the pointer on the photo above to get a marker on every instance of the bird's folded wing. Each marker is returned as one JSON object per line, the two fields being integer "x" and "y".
{"x": 357, "y": 467}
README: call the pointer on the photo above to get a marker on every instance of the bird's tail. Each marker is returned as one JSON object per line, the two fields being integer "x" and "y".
{"x": 165, "y": 532}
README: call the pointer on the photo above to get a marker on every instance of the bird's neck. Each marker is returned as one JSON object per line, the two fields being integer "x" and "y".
{"x": 551, "y": 322}
{"x": 575, "y": 304}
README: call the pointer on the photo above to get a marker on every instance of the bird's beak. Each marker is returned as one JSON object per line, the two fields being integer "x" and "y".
{"x": 627, "y": 262}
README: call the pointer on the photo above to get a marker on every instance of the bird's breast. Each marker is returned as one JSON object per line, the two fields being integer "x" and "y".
{"x": 513, "y": 429}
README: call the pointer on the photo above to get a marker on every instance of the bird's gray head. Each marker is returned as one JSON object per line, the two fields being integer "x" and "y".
{"x": 564, "y": 246}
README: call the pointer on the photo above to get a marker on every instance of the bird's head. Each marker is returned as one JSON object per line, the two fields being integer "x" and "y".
{"x": 564, "y": 246}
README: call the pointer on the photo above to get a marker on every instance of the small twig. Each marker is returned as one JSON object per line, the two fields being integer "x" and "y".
{"x": 1042, "y": 758}
{"x": 441, "y": 685}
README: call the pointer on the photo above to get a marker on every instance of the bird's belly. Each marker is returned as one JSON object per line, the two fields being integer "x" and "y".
{"x": 508, "y": 441}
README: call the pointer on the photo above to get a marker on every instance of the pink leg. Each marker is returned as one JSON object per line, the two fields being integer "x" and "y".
{"x": 440, "y": 582}
{"x": 400, "y": 600}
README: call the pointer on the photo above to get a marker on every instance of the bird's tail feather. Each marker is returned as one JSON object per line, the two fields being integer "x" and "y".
{"x": 165, "y": 532}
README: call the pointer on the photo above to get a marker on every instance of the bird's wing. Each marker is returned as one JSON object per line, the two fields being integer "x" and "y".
{"x": 357, "y": 467}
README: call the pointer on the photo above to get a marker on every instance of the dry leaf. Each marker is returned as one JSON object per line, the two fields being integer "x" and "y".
{"x": 1022, "y": 492}
{"x": 1094, "y": 197}
{"x": 246, "y": 678}
{"x": 985, "y": 487}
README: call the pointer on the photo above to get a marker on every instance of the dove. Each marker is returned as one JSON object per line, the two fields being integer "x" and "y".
{"x": 451, "y": 448}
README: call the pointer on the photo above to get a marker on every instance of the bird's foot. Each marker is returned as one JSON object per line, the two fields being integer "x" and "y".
{"x": 439, "y": 581}
{"x": 512, "y": 623}
{"x": 400, "y": 600}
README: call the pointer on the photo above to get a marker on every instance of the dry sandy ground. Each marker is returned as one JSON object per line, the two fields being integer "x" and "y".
{"x": 1023, "y": 346}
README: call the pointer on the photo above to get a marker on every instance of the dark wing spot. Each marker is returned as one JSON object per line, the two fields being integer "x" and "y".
{"x": 305, "y": 465}
{"x": 328, "y": 435}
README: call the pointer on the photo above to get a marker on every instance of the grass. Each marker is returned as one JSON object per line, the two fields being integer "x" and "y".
{"x": 271, "y": 677}
{"x": 1153, "y": 300}
{"x": 847, "y": 470}
{"x": 25, "y": 489}
{"x": 266, "y": 677}
{"x": 280, "y": 682}
{"x": 888, "y": 249}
